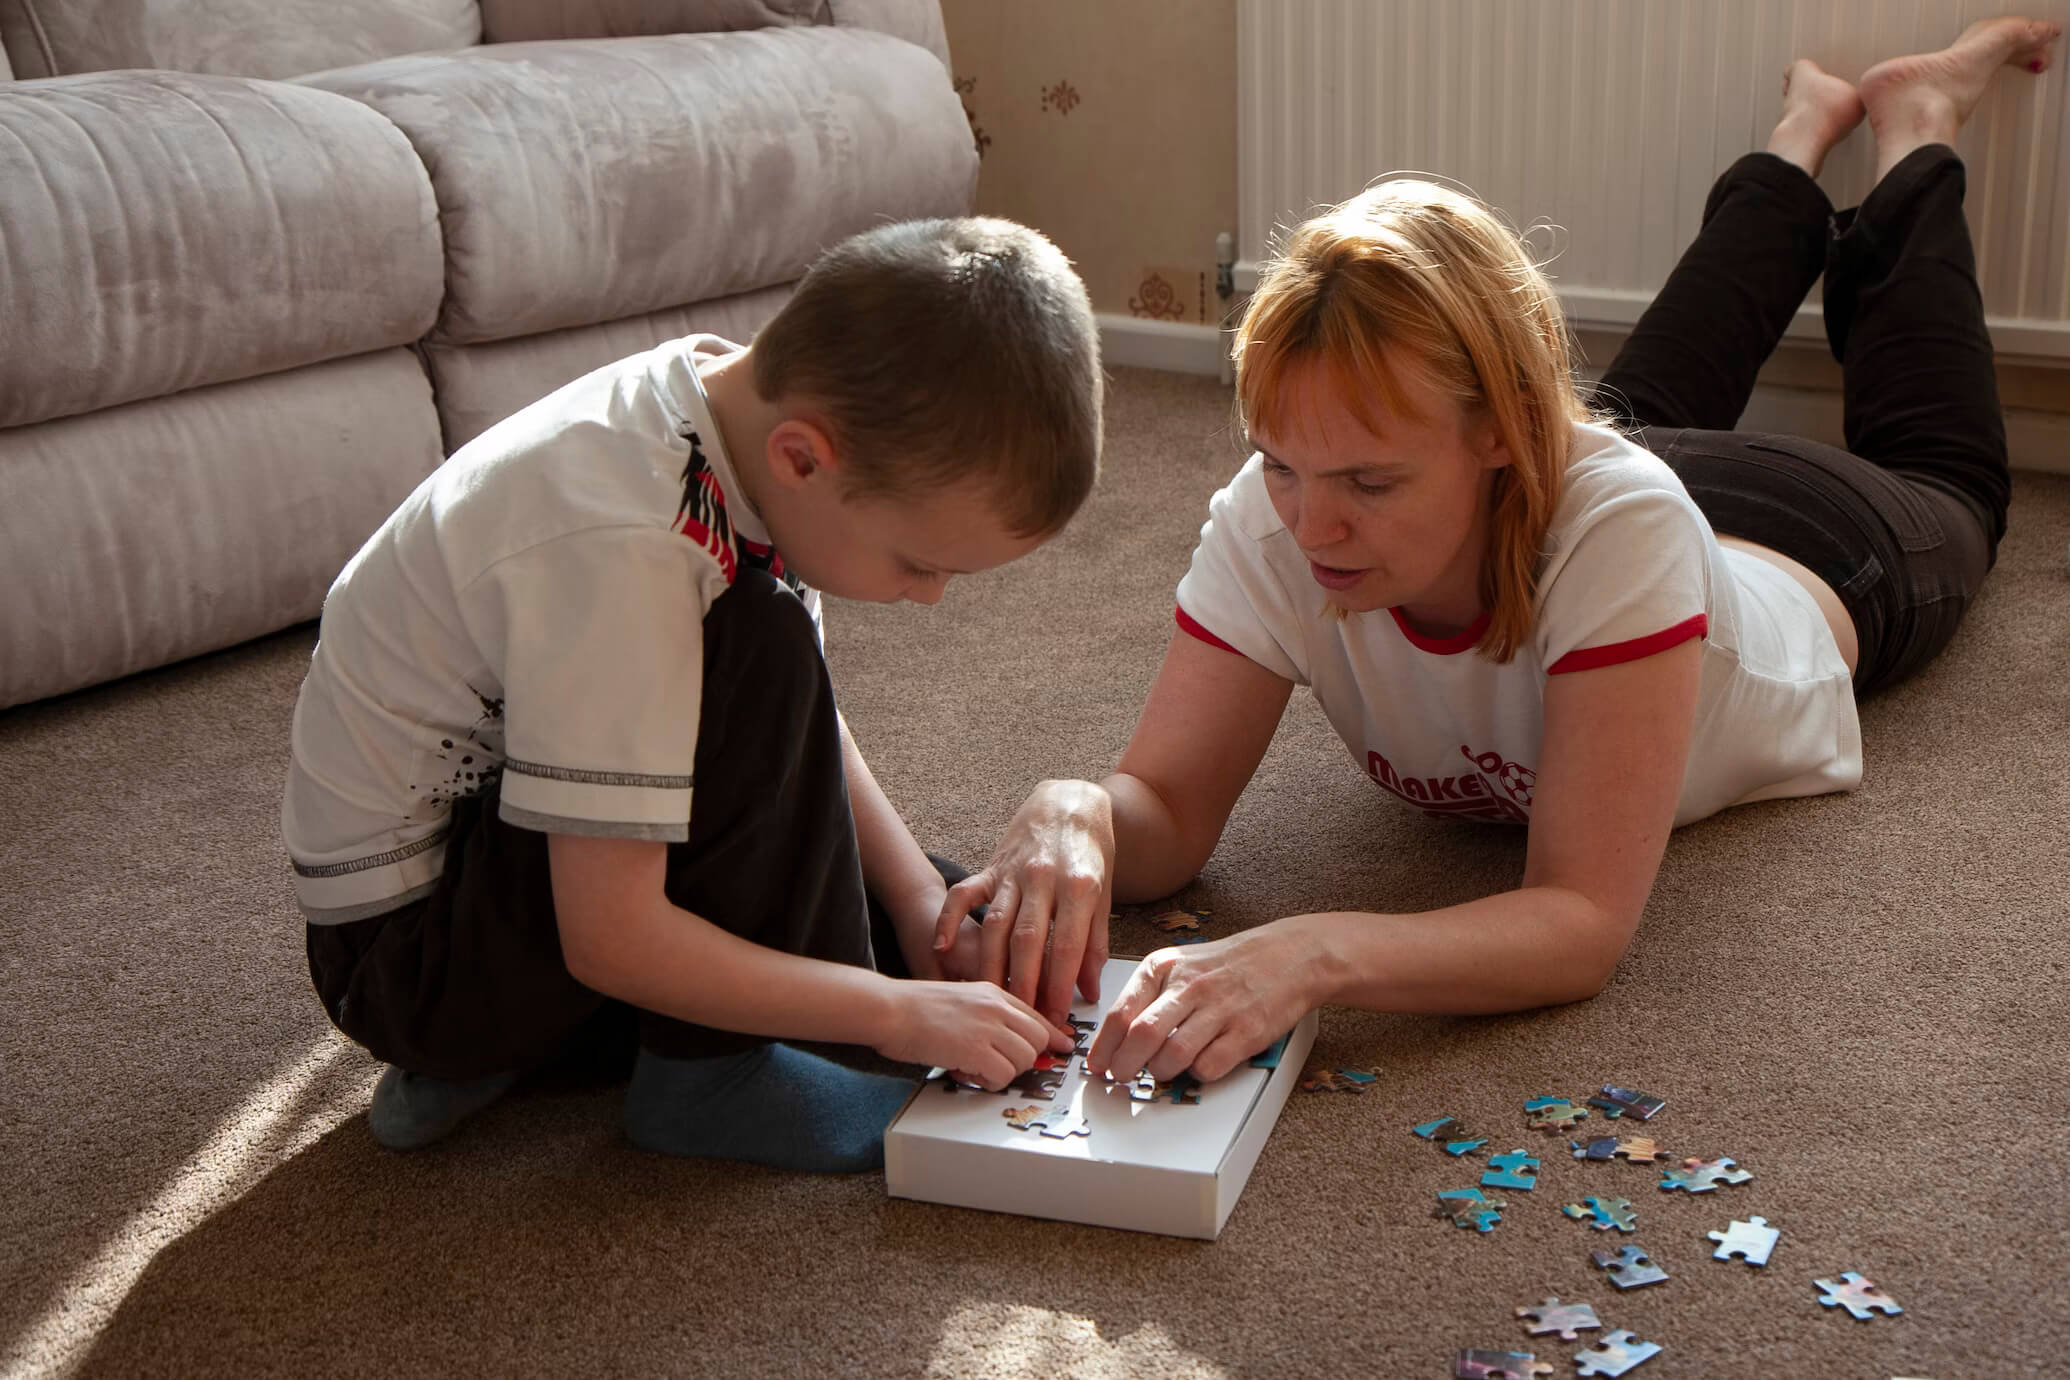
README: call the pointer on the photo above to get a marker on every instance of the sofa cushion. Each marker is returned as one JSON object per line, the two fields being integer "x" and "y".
{"x": 142, "y": 534}
{"x": 586, "y": 180}
{"x": 162, "y": 231}
{"x": 478, "y": 386}
{"x": 519, "y": 21}
{"x": 240, "y": 38}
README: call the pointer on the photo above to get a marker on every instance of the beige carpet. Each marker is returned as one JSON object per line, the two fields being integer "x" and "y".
{"x": 1860, "y": 998}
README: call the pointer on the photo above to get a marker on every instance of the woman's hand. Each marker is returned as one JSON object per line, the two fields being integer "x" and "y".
{"x": 1046, "y": 893}
{"x": 1208, "y": 1007}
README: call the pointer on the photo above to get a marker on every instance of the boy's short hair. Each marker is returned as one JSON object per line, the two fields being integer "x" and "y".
{"x": 943, "y": 351}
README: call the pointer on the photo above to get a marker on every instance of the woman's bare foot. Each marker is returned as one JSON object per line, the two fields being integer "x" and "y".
{"x": 1924, "y": 98}
{"x": 1819, "y": 110}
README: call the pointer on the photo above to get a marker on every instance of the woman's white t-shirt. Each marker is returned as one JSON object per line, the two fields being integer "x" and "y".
{"x": 1631, "y": 568}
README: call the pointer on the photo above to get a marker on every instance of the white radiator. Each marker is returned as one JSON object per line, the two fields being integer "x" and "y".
{"x": 1604, "y": 123}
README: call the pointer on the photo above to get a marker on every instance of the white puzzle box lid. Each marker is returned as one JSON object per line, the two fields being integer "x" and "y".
{"x": 1062, "y": 1144}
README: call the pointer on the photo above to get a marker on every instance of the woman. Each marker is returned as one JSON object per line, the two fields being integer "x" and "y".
{"x": 1600, "y": 625}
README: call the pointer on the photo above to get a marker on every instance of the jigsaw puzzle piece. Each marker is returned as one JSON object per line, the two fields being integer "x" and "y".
{"x": 1751, "y": 1241}
{"x": 1469, "y": 1207}
{"x": 1173, "y": 921}
{"x": 1337, "y": 1080}
{"x": 1701, "y": 1176}
{"x": 1499, "y": 1365}
{"x": 1181, "y": 1091}
{"x": 1615, "y": 1354}
{"x": 1567, "y": 1319}
{"x": 1552, "y": 1114}
{"x": 1039, "y": 1083}
{"x": 1429, "y": 1129}
{"x": 1639, "y": 1150}
{"x": 1514, "y": 1170}
{"x": 1615, "y": 1102}
{"x": 1601, "y": 1148}
{"x": 1858, "y": 1294}
{"x": 1629, "y": 1268}
{"x": 1021, "y": 1117}
{"x": 1062, "y": 1125}
{"x": 1604, "y": 1213}
{"x": 1269, "y": 1057}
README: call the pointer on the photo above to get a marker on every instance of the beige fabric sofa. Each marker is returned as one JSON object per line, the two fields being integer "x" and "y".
{"x": 263, "y": 263}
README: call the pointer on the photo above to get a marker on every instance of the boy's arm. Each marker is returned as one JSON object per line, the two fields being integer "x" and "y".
{"x": 895, "y": 870}
{"x": 622, "y": 936}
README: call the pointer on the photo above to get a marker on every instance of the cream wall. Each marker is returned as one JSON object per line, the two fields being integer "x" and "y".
{"x": 1110, "y": 125}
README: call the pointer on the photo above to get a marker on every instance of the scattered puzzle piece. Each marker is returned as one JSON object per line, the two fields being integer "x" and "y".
{"x": 1859, "y": 1295}
{"x": 1514, "y": 1170}
{"x": 1750, "y": 1240}
{"x": 1142, "y": 1088}
{"x": 1499, "y": 1365}
{"x": 1336, "y": 1080}
{"x": 1552, "y": 1114}
{"x": 1604, "y": 1213}
{"x": 1615, "y": 1102}
{"x": 1568, "y": 1319}
{"x": 1639, "y": 1150}
{"x": 1601, "y": 1148}
{"x": 1629, "y": 1268}
{"x": 1469, "y": 1207}
{"x": 1615, "y": 1354}
{"x": 1701, "y": 1176}
{"x": 1021, "y": 1117}
{"x": 1458, "y": 1141}
{"x": 1172, "y": 921}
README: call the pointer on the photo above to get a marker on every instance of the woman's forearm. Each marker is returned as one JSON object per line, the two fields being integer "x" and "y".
{"x": 1535, "y": 946}
{"x": 1153, "y": 856}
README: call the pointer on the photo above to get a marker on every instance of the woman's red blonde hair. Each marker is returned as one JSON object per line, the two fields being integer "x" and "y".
{"x": 1411, "y": 275}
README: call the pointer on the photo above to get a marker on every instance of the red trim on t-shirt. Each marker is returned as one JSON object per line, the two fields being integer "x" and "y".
{"x": 1589, "y": 658}
{"x": 1442, "y": 646}
{"x": 1192, "y": 628}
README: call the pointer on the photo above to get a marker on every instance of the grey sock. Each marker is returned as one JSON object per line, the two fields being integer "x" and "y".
{"x": 411, "y": 1111}
{"x": 774, "y": 1105}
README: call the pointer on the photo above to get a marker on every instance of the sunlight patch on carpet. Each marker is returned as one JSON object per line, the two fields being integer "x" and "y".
{"x": 1018, "y": 1339}
{"x": 273, "y": 1124}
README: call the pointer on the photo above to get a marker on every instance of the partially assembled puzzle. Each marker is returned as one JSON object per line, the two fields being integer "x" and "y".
{"x": 1059, "y": 1142}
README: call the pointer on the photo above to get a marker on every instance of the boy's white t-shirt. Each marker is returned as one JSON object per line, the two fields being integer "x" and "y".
{"x": 535, "y": 610}
{"x": 1631, "y": 568}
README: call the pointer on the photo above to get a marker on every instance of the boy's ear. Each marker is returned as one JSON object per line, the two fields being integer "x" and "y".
{"x": 800, "y": 450}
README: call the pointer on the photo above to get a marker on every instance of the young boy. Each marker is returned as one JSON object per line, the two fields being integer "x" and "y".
{"x": 568, "y": 740}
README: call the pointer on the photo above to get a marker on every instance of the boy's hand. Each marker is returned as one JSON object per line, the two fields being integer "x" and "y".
{"x": 981, "y": 1031}
{"x": 1046, "y": 893}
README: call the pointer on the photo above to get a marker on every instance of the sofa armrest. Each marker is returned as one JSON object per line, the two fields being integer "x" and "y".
{"x": 918, "y": 22}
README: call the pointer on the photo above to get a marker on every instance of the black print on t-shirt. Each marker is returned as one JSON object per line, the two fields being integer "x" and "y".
{"x": 474, "y": 759}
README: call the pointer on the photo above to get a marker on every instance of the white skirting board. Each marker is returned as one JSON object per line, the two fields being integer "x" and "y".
{"x": 1178, "y": 347}
{"x": 2034, "y": 440}
{"x": 2037, "y": 440}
